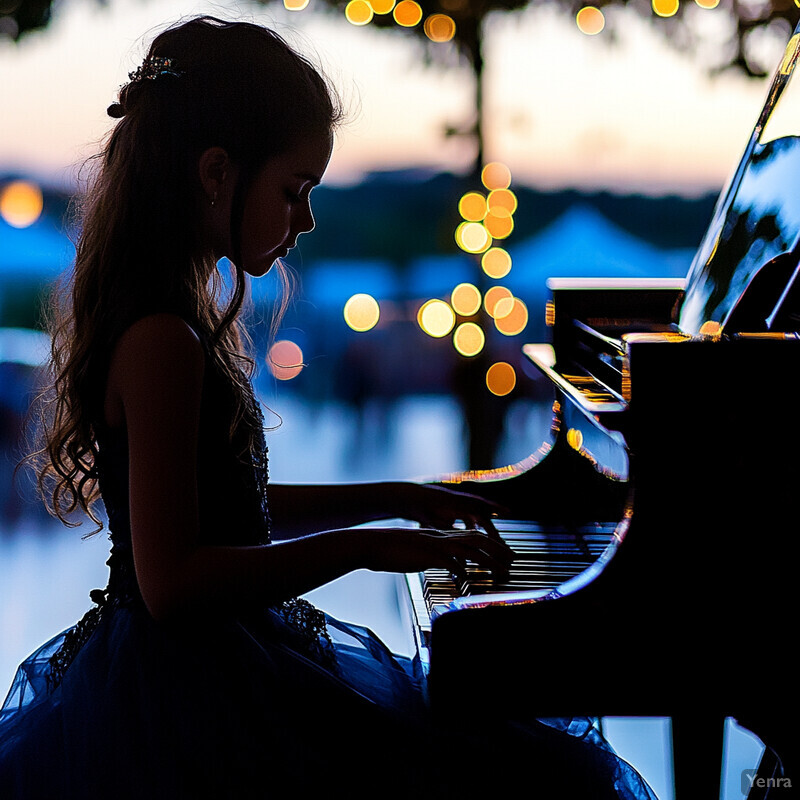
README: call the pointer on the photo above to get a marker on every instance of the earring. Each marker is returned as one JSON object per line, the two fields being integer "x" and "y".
{"x": 213, "y": 200}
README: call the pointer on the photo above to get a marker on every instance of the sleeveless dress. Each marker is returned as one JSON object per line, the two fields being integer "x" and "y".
{"x": 254, "y": 702}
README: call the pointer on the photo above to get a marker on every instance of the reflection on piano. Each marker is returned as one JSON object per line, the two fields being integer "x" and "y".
{"x": 652, "y": 526}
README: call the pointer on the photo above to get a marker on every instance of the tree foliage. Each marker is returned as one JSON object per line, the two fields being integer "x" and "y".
{"x": 748, "y": 21}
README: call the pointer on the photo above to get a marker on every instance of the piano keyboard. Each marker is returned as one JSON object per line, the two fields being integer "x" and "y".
{"x": 547, "y": 556}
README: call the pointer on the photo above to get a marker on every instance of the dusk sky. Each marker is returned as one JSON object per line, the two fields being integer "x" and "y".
{"x": 563, "y": 108}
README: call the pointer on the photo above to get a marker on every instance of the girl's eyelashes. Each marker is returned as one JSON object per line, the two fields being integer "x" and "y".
{"x": 292, "y": 197}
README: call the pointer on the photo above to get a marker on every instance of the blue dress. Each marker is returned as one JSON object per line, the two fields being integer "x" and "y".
{"x": 254, "y": 702}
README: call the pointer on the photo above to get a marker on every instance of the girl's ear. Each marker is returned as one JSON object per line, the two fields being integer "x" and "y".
{"x": 214, "y": 168}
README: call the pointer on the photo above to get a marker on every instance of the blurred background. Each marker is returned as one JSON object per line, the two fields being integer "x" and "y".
{"x": 490, "y": 145}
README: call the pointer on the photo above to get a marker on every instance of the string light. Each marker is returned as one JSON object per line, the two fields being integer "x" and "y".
{"x": 362, "y": 312}
{"x": 590, "y": 20}
{"x": 496, "y": 262}
{"x": 665, "y": 8}
{"x": 436, "y": 318}
{"x": 21, "y": 203}
{"x": 469, "y": 339}
{"x": 285, "y": 360}
{"x": 501, "y": 379}
{"x": 358, "y": 12}
{"x": 439, "y": 28}
{"x": 465, "y": 299}
{"x": 407, "y": 13}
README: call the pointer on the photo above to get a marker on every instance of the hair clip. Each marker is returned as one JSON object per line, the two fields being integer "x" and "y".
{"x": 153, "y": 67}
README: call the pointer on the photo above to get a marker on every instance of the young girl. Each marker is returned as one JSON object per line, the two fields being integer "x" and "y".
{"x": 198, "y": 672}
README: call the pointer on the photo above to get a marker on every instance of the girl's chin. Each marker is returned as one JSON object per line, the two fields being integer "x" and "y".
{"x": 260, "y": 269}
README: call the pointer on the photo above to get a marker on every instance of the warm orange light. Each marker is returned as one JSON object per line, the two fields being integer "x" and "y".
{"x": 493, "y": 297}
{"x": 496, "y": 175}
{"x": 439, "y": 28}
{"x": 496, "y": 263}
{"x": 575, "y": 438}
{"x": 503, "y": 307}
{"x": 501, "y": 200}
{"x": 436, "y": 318}
{"x": 295, "y": 5}
{"x": 285, "y": 360}
{"x": 712, "y": 3}
{"x": 590, "y": 20}
{"x": 499, "y": 223}
{"x": 665, "y": 8}
{"x": 514, "y": 322}
{"x": 358, "y": 12}
{"x": 465, "y": 299}
{"x": 362, "y": 312}
{"x": 468, "y": 339}
{"x": 472, "y": 206}
{"x": 21, "y": 203}
{"x": 472, "y": 237}
{"x": 501, "y": 378}
{"x": 382, "y": 6}
{"x": 407, "y": 13}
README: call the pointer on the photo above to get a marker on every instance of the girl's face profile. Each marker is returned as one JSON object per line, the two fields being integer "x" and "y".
{"x": 278, "y": 205}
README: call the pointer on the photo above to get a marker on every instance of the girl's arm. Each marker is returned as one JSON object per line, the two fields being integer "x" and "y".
{"x": 299, "y": 509}
{"x": 156, "y": 375}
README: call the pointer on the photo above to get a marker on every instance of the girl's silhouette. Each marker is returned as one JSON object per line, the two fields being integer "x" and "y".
{"x": 198, "y": 672}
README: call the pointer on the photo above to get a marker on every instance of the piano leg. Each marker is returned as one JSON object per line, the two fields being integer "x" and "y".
{"x": 697, "y": 748}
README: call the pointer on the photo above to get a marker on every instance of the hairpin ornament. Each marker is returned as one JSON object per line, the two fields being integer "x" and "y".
{"x": 154, "y": 67}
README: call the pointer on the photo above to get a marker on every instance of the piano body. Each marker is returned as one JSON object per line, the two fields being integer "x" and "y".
{"x": 653, "y": 526}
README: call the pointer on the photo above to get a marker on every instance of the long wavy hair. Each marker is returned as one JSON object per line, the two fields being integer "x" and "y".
{"x": 141, "y": 248}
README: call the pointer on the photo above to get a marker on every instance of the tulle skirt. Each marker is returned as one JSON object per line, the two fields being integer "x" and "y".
{"x": 233, "y": 708}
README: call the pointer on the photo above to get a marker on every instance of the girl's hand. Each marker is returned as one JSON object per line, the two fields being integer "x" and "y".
{"x": 440, "y": 508}
{"x": 418, "y": 549}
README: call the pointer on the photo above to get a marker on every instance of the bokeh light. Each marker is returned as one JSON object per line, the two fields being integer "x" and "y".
{"x": 436, "y": 318}
{"x": 465, "y": 299}
{"x": 496, "y": 175}
{"x": 496, "y": 262}
{"x": 514, "y": 322}
{"x": 407, "y": 13}
{"x": 493, "y": 297}
{"x": 382, "y": 6}
{"x": 439, "y": 28}
{"x": 358, "y": 12}
{"x": 468, "y": 339}
{"x": 503, "y": 307}
{"x": 473, "y": 237}
{"x": 472, "y": 207}
{"x": 295, "y": 5}
{"x": 501, "y": 202}
{"x": 665, "y": 8}
{"x": 362, "y": 312}
{"x": 590, "y": 20}
{"x": 499, "y": 224}
{"x": 712, "y": 3}
{"x": 21, "y": 203}
{"x": 285, "y": 360}
{"x": 501, "y": 378}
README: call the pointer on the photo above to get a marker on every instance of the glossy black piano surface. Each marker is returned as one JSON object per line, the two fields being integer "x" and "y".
{"x": 675, "y": 423}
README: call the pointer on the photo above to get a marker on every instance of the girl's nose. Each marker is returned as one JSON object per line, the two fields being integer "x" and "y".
{"x": 304, "y": 220}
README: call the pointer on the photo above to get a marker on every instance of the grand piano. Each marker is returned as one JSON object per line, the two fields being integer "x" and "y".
{"x": 654, "y": 524}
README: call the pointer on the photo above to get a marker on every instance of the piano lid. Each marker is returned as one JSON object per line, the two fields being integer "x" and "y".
{"x": 756, "y": 222}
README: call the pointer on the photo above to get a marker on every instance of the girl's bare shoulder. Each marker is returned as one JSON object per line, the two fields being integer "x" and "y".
{"x": 157, "y": 347}
{"x": 160, "y": 336}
